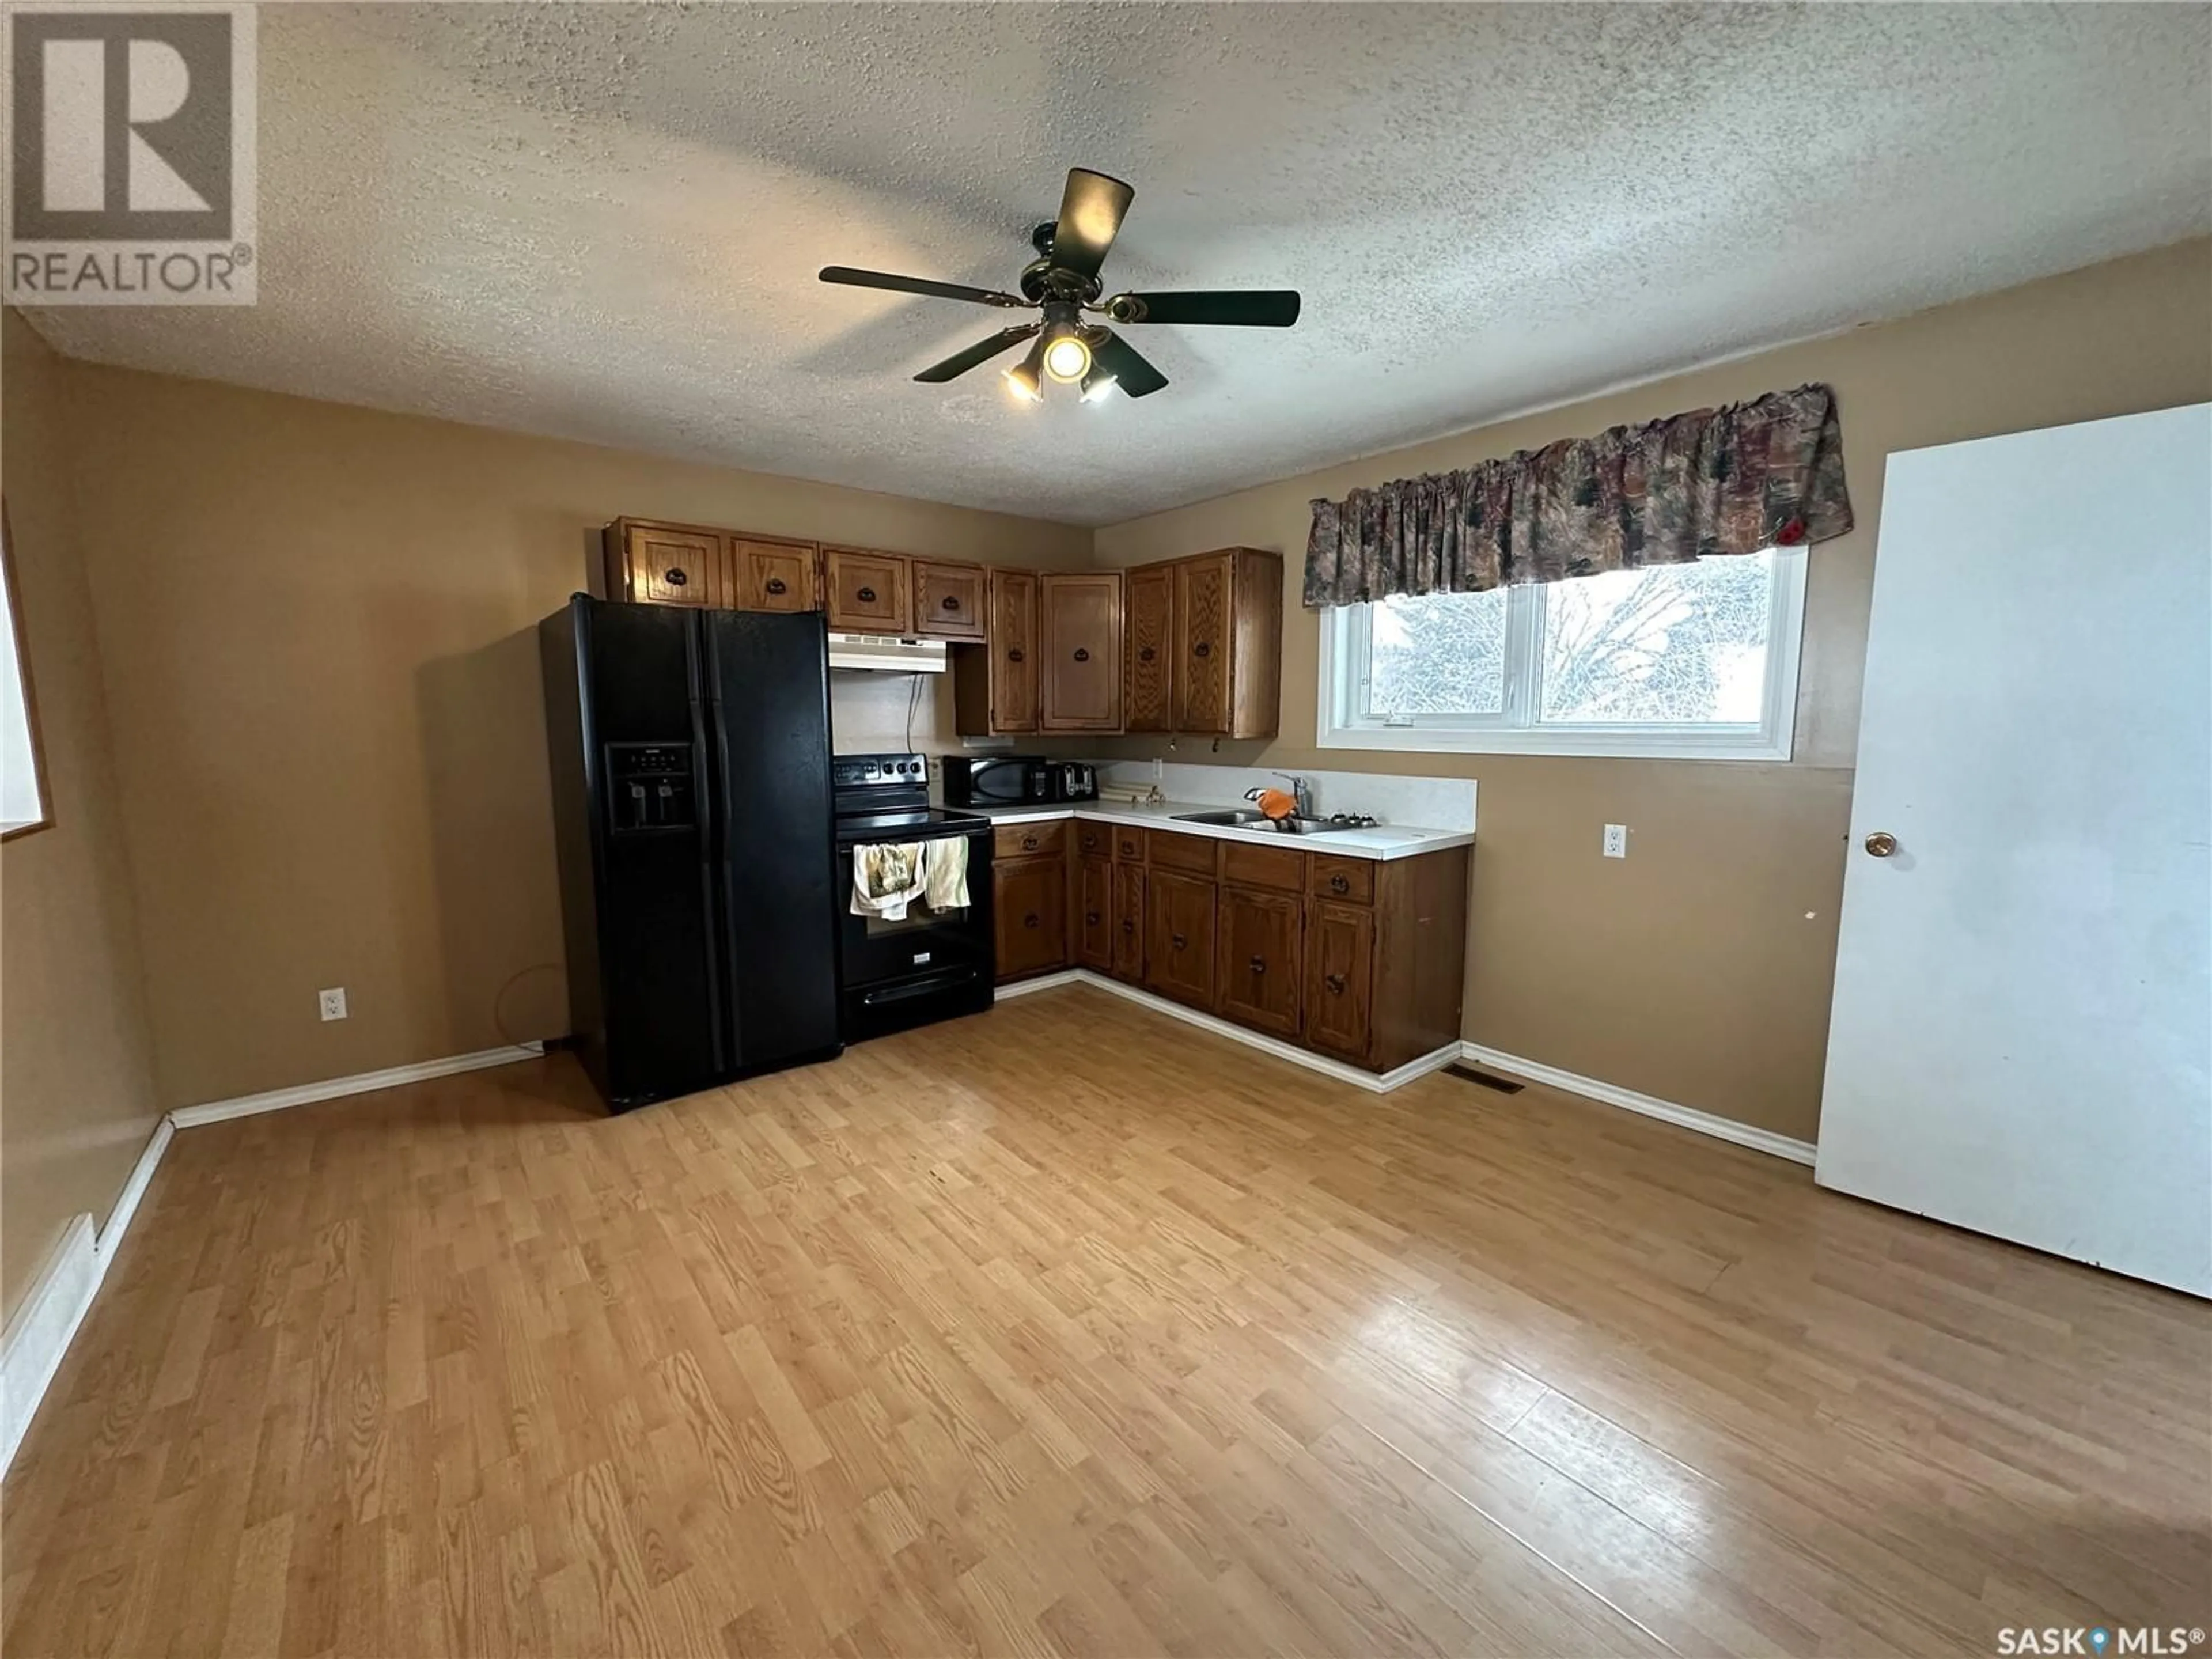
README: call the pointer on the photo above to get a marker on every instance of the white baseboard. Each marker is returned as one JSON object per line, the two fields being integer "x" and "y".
{"x": 1374, "y": 1083}
{"x": 362, "y": 1083}
{"x": 46, "y": 1320}
{"x": 1687, "y": 1117}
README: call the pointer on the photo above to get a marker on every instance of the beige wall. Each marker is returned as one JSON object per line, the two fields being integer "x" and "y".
{"x": 316, "y": 623}
{"x": 1699, "y": 969}
{"x": 76, "y": 1093}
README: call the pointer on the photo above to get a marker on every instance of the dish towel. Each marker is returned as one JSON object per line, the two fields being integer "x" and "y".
{"x": 886, "y": 878}
{"x": 945, "y": 873}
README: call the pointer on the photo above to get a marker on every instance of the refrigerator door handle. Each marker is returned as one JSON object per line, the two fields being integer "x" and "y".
{"x": 712, "y": 819}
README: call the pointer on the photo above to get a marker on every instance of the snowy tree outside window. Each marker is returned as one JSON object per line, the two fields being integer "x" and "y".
{"x": 1683, "y": 660}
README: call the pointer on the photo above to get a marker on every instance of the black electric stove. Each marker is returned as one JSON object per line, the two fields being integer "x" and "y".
{"x": 930, "y": 963}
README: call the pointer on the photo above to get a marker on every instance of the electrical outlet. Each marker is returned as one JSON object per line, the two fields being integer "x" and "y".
{"x": 332, "y": 1002}
{"x": 1616, "y": 841}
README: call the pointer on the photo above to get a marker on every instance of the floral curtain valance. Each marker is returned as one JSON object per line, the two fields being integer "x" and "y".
{"x": 1765, "y": 473}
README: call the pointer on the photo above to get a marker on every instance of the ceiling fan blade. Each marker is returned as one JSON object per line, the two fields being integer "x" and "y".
{"x": 1136, "y": 377}
{"x": 1090, "y": 211}
{"x": 1256, "y": 309}
{"x": 982, "y": 352}
{"x": 983, "y": 296}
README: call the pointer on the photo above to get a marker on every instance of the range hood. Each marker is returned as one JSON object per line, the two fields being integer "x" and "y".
{"x": 886, "y": 653}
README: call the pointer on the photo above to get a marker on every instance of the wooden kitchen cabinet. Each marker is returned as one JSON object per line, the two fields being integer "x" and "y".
{"x": 1150, "y": 649}
{"x": 1093, "y": 923}
{"x": 1080, "y": 643}
{"x": 1129, "y": 922}
{"x": 1257, "y": 970}
{"x": 1339, "y": 989}
{"x": 948, "y": 601}
{"x": 1179, "y": 935}
{"x": 995, "y": 684}
{"x": 1029, "y": 896}
{"x": 775, "y": 575}
{"x": 650, "y": 562}
{"x": 868, "y": 591}
{"x": 1227, "y": 625}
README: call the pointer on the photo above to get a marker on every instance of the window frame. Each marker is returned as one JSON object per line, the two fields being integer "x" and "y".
{"x": 38, "y": 774}
{"x": 1346, "y": 639}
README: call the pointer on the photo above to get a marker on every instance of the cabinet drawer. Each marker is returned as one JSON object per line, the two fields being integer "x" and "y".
{"x": 1281, "y": 868}
{"x": 1128, "y": 844}
{"x": 1173, "y": 852}
{"x": 1097, "y": 840}
{"x": 1030, "y": 840}
{"x": 1350, "y": 881}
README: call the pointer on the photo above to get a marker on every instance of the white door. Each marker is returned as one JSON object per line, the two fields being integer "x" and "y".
{"x": 2021, "y": 1037}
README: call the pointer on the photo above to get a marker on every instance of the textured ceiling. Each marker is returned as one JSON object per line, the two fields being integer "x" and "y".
{"x": 602, "y": 221}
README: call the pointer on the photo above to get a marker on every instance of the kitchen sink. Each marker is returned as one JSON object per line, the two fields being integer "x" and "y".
{"x": 1244, "y": 818}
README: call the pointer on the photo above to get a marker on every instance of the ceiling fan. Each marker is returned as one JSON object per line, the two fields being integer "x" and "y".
{"x": 1062, "y": 284}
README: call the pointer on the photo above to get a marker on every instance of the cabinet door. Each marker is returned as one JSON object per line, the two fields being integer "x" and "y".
{"x": 948, "y": 601}
{"x": 1148, "y": 666}
{"x": 776, "y": 575}
{"x": 1339, "y": 979}
{"x": 1256, "y": 977}
{"x": 1094, "y": 914}
{"x": 867, "y": 591}
{"x": 663, "y": 564}
{"x": 1079, "y": 628}
{"x": 1179, "y": 925}
{"x": 1029, "y": 898}
{"x": 1129, "y": 922}
{"x": 1203, "y": 627}
{"x": 1014, "y": 647}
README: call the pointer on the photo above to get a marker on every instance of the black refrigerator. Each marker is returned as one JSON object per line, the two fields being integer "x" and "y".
{"x": 690, "y": 763}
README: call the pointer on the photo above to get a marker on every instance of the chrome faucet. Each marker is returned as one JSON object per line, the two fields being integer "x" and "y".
{"x": 1301, "y": 791}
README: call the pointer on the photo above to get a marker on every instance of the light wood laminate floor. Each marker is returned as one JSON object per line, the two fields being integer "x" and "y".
{"x": 1066, "y": 1329}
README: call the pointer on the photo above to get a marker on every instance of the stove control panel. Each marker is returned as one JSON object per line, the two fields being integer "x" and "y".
{"x": 879, "y": 771}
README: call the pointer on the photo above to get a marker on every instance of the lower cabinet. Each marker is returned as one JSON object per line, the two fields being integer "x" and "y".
{"x": 1029, "y": 897}
{"x": 1256, "y": 974}
{"x": 1340, "y": 990}
{"x": 1093, "y": 897}
{"x": 1129, "y": 921}
{"x": 1179, "y": 931}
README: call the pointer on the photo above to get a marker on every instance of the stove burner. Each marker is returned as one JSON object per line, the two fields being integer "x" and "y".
{"x": 1352, "y": 820}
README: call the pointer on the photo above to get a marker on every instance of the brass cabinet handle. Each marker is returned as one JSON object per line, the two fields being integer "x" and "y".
{"x": 1128, "y": 926}
{"x": 1203, "y": 648}
{"x": 1179, "y": 941}
{"x": 1144, "y": 653}
{"x": 1338, "y": 884}
{"x": 1259, "y": 964}
{"x": 1090, "y": 918}
{"x": 1030, "y": 920}
{"x": 1013, "y": 654}
{"x": 950, "y": 602}
{"x": 776, "y": 585}
{"x": 1029, "y": 843}
{"x": 1081, "y": 655}
{"x": 865, "y": 595}
{"x": 675, "y": 578}
{"x": 1334, "y": 982}
{"x": 1882, "y": 843}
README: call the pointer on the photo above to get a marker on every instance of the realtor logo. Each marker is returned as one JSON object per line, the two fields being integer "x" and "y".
{"x": 131, "y": 176}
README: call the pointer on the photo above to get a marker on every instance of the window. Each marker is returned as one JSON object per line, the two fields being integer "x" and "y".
{"x": 22, "y": 779}
{"x": 1688, "y": 660}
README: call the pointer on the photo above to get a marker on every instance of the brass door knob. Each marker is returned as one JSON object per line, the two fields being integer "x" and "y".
{"x": 1882, "y": 843}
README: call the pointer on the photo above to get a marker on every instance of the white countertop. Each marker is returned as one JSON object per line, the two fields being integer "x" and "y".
{"x": 1382, "y": 842}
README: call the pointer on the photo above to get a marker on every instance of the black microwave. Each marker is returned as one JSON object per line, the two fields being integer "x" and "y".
{"x": 998, "y": 781}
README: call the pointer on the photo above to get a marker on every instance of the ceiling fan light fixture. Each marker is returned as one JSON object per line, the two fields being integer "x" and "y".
{"x": 1067, "y": 356}
{"x": 1023, "y": 379}
{"x": 1097, "y": 383}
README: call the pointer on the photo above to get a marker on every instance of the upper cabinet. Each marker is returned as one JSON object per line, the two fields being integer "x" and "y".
{"x": 657, "y": 563}
{"x": 948, "y": 599}
{"x": 867, "y": 591}
{"x": 776, "y": 575}
{"x": 994, "y": 686}
{"x": 1227, "y": 626}
{"x": 1149, "y": 649}
{"x": 1079, "y": 641}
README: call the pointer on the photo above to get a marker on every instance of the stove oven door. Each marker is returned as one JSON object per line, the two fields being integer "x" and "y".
{"x": 929, "y": 964}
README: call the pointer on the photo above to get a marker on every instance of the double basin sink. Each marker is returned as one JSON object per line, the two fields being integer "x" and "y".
{"x": 1244, "y": 817}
